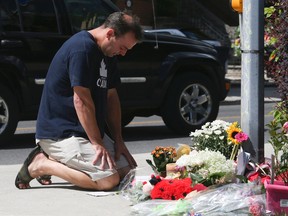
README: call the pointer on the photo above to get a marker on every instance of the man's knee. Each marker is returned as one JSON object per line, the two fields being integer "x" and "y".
{"x": 108, "y": 183}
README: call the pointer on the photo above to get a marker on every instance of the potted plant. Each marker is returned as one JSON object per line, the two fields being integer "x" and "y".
{"x": 276, "y": 189}
{"x": 161, "y": 157}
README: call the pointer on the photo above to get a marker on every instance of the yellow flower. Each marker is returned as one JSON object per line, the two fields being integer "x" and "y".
{"x": 232, "y": 131}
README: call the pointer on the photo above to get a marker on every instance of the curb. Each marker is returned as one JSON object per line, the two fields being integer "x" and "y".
{"x": 236, "y": 100}
{"x": 237, "y": 82}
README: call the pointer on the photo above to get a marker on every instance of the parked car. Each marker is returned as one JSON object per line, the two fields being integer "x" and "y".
{"x": 222, "y": 49}
{"x": 180, "y": 79}
{"x": 185, "y": 33}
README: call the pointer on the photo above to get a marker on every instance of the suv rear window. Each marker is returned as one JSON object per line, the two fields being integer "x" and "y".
{"x": 87, "y": 14}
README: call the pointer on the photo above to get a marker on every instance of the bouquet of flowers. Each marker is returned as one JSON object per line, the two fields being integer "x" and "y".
{"x": 235, "y": 137}
{"x": 219, "y": 136}
{"x": 212, "y": 136}
{"x": 207, "y": 167}
{"x": 229, "y": 199}
{"x": 174, "y": 189}
{"x": 159, "y": 188}
{"x": 161, "y": 157}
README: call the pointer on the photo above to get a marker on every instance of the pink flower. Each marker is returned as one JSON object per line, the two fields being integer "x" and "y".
{"x": 240, "y": 137}
{"x": 285, "y": 127}
{"x": 256, "y": 209}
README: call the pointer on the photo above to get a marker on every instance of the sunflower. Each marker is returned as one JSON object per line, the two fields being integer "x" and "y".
{"x": 232, "y": 131}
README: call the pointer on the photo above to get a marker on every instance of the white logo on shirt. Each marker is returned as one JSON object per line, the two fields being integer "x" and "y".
{"x": 103, "y": 70}
{"x": 102, "y": 81}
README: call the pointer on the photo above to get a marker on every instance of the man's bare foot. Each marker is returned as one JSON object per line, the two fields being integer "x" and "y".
{"x": 36, "y": 164}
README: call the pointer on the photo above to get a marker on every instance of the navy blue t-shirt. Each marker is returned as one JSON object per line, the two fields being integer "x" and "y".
{"x": 79, "y": 62}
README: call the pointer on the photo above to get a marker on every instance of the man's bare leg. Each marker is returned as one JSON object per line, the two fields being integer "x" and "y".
{"x": 41, "y": 165}
{"x": 124, "y": 171}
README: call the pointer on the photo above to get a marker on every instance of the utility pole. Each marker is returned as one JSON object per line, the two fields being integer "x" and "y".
{"x": 252, "y": 80}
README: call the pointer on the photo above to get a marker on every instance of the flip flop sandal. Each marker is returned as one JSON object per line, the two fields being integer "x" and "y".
{"x": 44, "y": 178}
{"x": 23, "y": 176}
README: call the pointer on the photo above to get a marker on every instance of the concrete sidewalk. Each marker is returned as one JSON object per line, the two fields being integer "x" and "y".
{"x": 61, "y": 198}
{"x": 234, "y": 74}
{"x": 234, "y": 96}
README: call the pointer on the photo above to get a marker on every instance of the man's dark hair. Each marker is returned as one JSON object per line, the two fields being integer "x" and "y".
{"x": 123, "y": 22}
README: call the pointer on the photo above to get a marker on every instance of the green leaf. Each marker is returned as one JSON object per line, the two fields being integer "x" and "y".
{"x": 154, "y": 168}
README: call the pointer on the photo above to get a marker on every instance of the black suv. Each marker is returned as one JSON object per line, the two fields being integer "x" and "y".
{"x": 180, "y": 79}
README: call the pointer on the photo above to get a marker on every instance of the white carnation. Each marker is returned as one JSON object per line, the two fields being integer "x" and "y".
{"x": 207, "y": 163}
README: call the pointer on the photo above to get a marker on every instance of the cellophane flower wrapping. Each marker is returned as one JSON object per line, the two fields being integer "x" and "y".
{"x": 131, "y": 189}
{"x": 230, "y": 199}
{"x": 162, "y": 207}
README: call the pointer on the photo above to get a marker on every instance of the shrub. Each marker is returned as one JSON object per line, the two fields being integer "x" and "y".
{"x": 276, "y": 63}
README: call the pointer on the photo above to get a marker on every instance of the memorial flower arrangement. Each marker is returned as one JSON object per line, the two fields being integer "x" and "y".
{"x": 193, "y": 171}
{"x": 219, "y": 136}
{"x": 237, "y": 199}
{"x": 196, "y": 172}
{"x": 158, "y": 187}
{"x": 207, "y": 167}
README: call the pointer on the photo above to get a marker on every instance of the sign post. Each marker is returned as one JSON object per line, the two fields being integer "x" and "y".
{"x": 252, "y": 76}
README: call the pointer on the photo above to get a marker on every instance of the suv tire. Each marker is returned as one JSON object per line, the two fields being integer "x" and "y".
{"x": 8, "y": 113}
{"x": 191, "y": 102}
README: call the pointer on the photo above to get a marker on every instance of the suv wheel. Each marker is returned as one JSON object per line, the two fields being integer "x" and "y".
{"x": 8, "y": 113}
{"x": 191, "y": 102}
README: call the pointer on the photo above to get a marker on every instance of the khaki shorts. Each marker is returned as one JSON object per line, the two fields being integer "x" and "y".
{"x": 77, "y": 153}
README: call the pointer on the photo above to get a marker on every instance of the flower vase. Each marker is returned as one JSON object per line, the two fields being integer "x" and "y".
{"x": 171, "y": 168}
{"x": 276, "y": 197}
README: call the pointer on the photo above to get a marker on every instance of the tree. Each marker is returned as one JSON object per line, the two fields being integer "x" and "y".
{"x": 276, "y": 46}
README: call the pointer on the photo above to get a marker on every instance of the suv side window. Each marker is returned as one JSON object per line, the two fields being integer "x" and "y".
{"x": 9, "y": 17}
{"x": 38, "y": 16}
{"x": 87, "y": 14}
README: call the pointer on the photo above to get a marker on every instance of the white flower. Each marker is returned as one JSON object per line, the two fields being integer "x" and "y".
{"x": 212, "y": 135}
{"x": 147, "y": 188}
{"x": 207, "y": 163}
{"x": 218, "y": 132}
